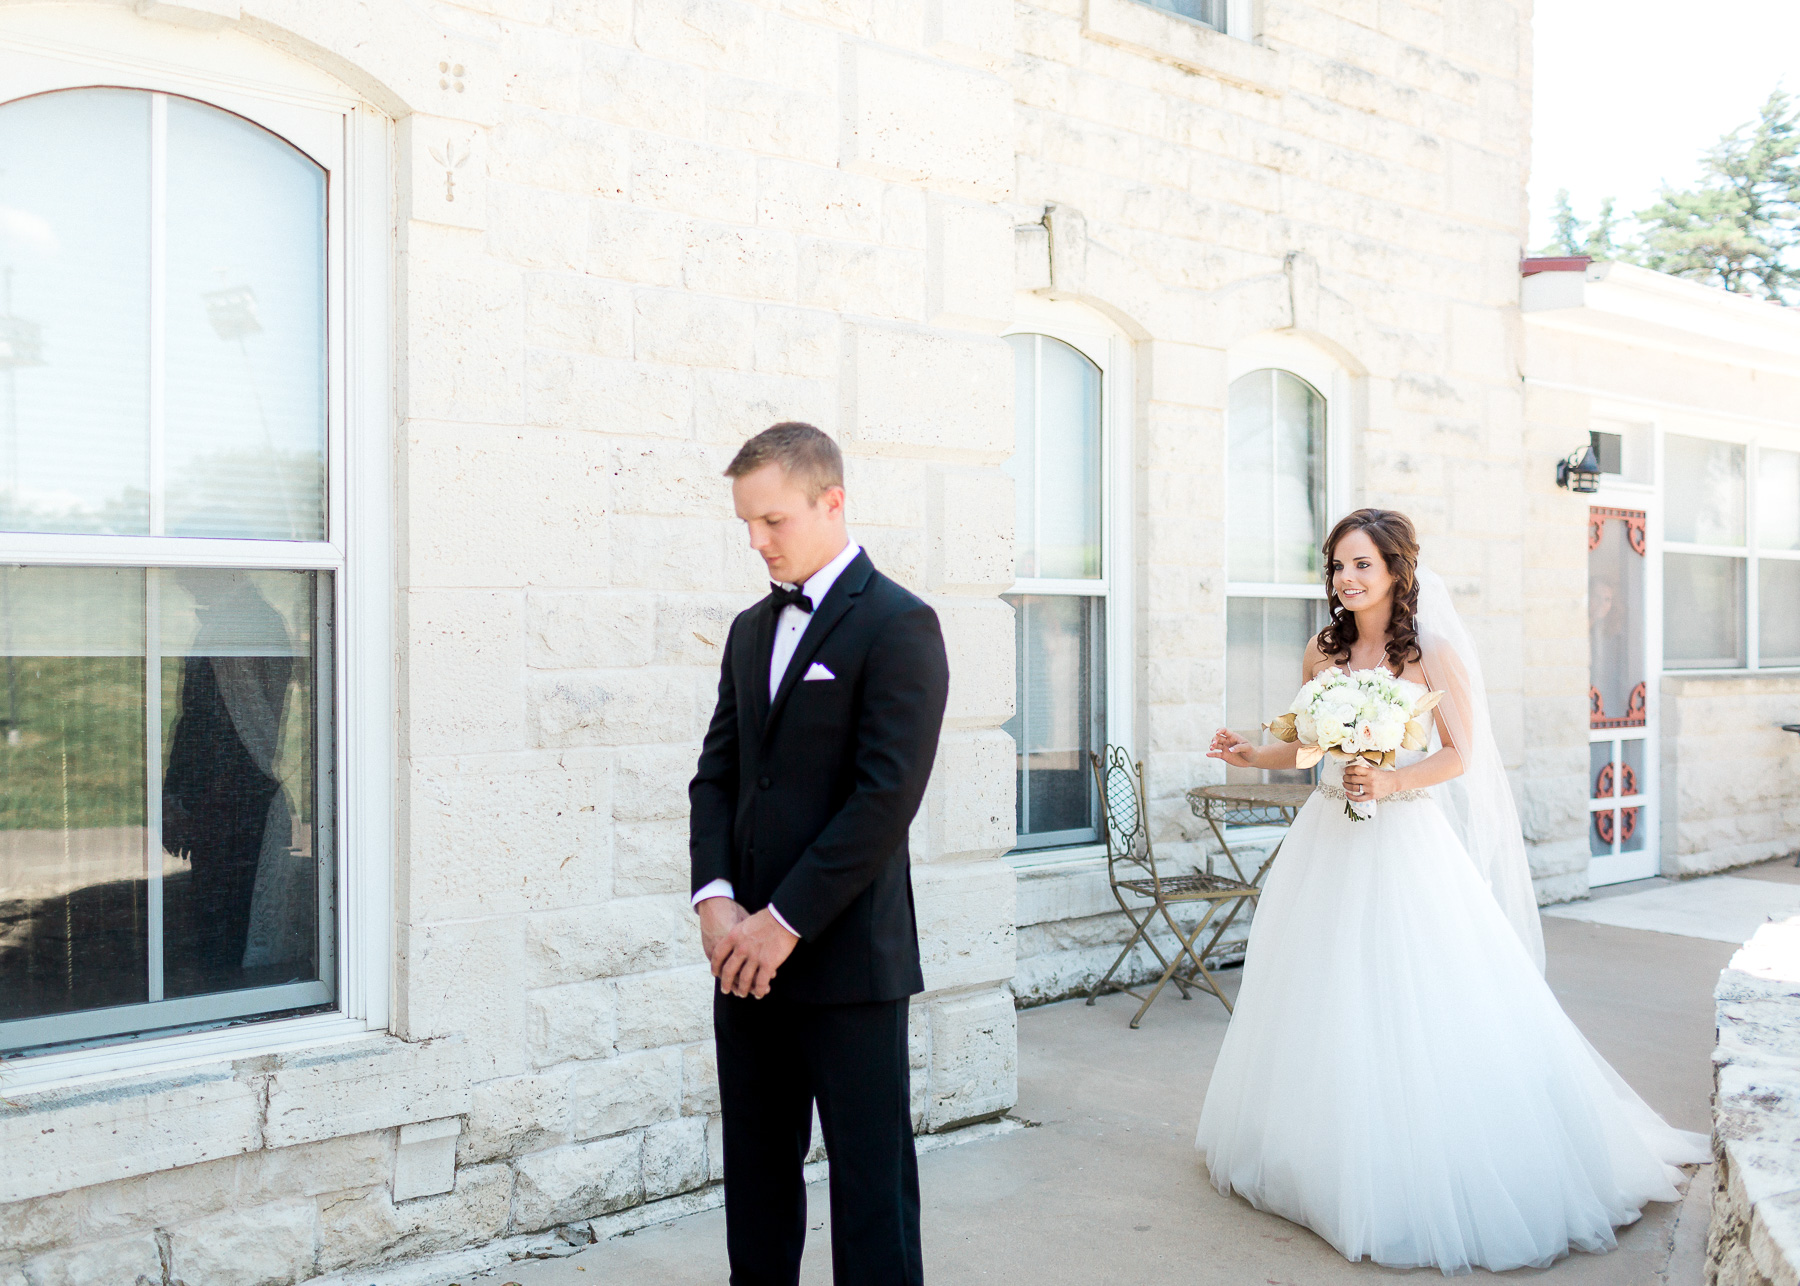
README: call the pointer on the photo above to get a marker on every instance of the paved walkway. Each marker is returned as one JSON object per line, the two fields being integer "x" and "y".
{"x": 1105, "y": 1186}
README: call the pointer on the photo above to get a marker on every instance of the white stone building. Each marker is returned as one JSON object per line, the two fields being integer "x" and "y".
{"x": 370, "y": 366}
{"x": 1693, "y": 587}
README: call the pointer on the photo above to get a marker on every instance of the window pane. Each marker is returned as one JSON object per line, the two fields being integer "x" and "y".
{"x": 1057, "y": 461}
{"x": 1703, "y": 612}
{"x": 1778, "y": 499}
{"x": 1060, "y": 716}
{"x": 1210, "y": 12}
{"x": 242, "y": 872}
{"x": 246, "y": 331}
{"x": 240, "y": 749}
{"x": 1778, "y": 592}
{"x": 1277, "y": 478}
{"x": 1603, "y": 781}
{"x": 1250, "y": 477}
{"x": 74, "y": 294}
{"x": 1617, "y": 678}
{"x": 74, "y": 907}
{"x": 1265, "y": 648}
{"x": 242, "y": 403}
{"x": 1705, "y": 487}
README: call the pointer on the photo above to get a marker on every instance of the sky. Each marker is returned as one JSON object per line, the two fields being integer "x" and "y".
{"x": 1627, "y": 93}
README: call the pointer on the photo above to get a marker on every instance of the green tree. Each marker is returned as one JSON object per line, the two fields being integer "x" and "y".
{"x": 1565, "y": 237}
{"x": 1570, "y": 235}
{"x": 1740, "y": 226}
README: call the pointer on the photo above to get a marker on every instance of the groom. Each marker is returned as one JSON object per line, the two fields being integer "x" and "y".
{"x": 831, "y": 694}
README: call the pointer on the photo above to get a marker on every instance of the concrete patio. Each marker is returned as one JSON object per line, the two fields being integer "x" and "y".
{"x": 1103, "y": 1185}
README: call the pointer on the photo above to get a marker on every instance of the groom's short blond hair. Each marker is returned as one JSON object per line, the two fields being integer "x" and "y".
{"x": 804, "y": 453}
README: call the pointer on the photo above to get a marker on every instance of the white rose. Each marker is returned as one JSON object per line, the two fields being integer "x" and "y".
{"x": 1307, "y": 727}
{"x": 1345, "y": 713}
{"x": 1329, "y": 732}
{"x": 1365, "y": 736}
{"x": 1389, "y": 733}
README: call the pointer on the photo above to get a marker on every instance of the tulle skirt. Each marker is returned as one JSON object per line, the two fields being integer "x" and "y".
{"x": 1399, "y": 1078}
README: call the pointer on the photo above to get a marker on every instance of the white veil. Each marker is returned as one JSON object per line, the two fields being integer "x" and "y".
{"x": 1479, "y": 803}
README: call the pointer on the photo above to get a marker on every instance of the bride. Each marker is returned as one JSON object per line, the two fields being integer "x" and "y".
{"x": 1397, "y": 1076}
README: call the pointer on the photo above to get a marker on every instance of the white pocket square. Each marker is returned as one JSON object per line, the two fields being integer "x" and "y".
{"x": 816, "y": 671}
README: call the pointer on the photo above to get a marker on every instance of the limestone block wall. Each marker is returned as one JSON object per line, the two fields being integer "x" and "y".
{"x": 1754, "y": 1238}
{"x": 677, "y": 221}
{"x": 1553, "y": 780}
{"x": 1353, "y": 176}
{"x": 1731, "y": 776}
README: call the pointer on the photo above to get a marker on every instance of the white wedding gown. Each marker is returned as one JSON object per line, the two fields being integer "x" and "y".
{"x": 1397, "y": 1075}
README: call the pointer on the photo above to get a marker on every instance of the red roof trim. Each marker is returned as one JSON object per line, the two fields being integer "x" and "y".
{"x": 1554, "y": 263}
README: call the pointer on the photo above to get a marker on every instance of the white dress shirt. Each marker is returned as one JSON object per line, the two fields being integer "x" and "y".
{"x": 789, "y": 627}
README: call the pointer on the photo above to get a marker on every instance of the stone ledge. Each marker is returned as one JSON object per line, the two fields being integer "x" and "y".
{"x": 1189, "y": 45}
{"x": 133, "y": 1124}
{"x": 1755, "y": 1235}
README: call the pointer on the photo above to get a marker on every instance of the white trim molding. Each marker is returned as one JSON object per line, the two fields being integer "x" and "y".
{"x": 47, "y": 48}
{"x": 1632, "y": 305}
{"x": 1108, "y": 347}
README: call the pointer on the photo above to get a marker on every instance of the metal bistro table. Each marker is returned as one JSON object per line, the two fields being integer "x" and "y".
{"x": 1254, "y": 805}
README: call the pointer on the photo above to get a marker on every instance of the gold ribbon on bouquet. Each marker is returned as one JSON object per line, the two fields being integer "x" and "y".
{"x": 1418, "y": 736}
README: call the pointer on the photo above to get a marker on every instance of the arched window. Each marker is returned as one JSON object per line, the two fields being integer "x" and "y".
{"x": 171, "y": 566}
{"x": 1276, "y": 505}
{"x": 1070, "y": 606}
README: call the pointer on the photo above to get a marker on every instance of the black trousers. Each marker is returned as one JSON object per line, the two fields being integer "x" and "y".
{"x": 776, "y": 1059}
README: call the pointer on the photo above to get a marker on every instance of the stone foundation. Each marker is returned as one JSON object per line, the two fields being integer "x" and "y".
{"x": 1730, "y": 775}
{"x": 1755, "y": 1234}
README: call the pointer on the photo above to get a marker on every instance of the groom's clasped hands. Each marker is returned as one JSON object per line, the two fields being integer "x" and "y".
{"x": 744, "y": 950}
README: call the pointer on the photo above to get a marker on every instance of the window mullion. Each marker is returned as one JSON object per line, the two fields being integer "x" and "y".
{"x": 153, "y": 783}
{"x": 158, "y": 346}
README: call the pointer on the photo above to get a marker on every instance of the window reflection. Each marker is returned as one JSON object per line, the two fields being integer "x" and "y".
{"x": 238, "y": 743}
{"x": 226, "y": 437}
{"x": 1061, "y": 715}
{"x": 1056, "y": 459}
{"x": 234, "y": 898}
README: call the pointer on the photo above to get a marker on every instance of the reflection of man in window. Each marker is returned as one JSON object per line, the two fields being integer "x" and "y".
{"x": 221, "y": 796}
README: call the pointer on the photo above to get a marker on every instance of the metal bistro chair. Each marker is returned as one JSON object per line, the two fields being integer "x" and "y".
{"x": 1146, "y": 895}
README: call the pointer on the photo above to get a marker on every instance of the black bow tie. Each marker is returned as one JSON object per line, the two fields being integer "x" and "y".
{"x": 785, "y": 597}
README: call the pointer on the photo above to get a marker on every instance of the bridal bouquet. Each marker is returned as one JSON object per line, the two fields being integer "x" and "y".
{"x": 1362, "y": 714}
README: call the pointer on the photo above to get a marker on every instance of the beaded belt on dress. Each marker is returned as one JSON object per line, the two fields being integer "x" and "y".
{"x": 1399, "y": 796}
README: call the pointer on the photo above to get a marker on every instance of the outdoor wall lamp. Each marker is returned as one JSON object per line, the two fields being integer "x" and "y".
{"x": 1580, "y": 472}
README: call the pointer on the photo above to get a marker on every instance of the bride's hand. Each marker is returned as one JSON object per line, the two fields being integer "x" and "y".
{"x": 1366, "y": 783}
{"x": 1233, "y": 749}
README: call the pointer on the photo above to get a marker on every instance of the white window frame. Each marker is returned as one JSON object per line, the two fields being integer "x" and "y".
{"x": 1753, "y": 436}
{"x": 1619, "y": 492}
{"x": 1240, "y": 18}
{"x": 1109, "y": 349}
{"x": 43, "y": 50}
{"x": 1299, "y": 358}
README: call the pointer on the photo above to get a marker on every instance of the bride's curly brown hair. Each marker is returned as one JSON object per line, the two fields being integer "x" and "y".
{"x": 1394, "y": 537}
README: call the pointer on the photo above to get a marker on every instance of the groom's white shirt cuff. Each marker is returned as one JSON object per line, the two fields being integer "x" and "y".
{"x": 723, "y": 889}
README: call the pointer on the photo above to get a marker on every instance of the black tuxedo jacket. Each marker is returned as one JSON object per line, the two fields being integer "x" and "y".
{"x": 805, "y": 801}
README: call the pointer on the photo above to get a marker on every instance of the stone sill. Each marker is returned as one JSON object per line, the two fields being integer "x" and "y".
{"x": 1168, "y": 38}
{"x": 140, "y": 1123}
